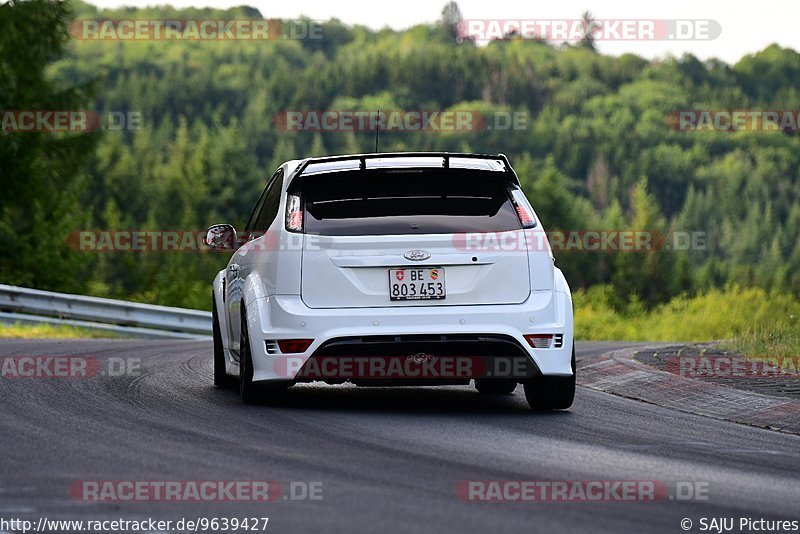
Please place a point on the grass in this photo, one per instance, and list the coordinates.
(747, 320)
(752, 320)
(766, 343)
(49, 331)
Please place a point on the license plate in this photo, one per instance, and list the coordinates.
(416, 284)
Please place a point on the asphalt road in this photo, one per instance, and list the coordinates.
(388, 459)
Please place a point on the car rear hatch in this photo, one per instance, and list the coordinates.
(394, 238)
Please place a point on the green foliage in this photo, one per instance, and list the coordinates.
(42, 174)
(751, 320)
(50, 331)
(597, 152)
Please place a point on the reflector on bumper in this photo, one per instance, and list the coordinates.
(539, 341)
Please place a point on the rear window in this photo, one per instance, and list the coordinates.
(407, 203)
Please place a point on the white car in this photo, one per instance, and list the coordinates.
(393, 269)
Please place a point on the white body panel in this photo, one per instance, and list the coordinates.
(353, 272)
(295, 286)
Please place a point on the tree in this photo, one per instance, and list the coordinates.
(594, 126)
(647, 275)
(451, 17)
(588, 24)
(43, 173)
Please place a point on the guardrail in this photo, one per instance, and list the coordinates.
(129, 319)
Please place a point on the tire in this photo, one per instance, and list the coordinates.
(247, 389)
(252, 392)
(495, 386)
(551, 392)
(221, 378)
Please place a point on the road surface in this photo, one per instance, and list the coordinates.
(388, 459)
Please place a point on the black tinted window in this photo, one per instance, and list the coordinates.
(254, 215)
(407, 203)
(271, 204)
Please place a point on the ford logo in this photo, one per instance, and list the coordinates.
(417, 255)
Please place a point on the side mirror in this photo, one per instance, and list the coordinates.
(220, 236)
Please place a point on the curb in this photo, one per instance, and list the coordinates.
(619, 374)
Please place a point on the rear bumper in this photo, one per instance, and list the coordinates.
(287, 317)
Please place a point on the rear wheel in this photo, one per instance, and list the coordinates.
(254, 392)
(247, 389)
(495, 386)
(221, 378)
(551, 392)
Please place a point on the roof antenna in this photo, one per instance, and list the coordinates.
(377, 130)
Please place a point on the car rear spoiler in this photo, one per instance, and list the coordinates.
(446, 157)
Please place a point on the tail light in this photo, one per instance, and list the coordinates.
(523, 208)
(525, 217)
(539, 341)
(294, 214)
(293, 346)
